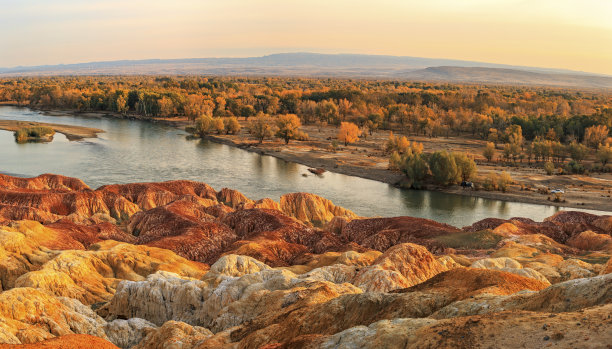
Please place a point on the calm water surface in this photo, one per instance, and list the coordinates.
(137, 151)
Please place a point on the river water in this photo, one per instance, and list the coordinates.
(140, 151)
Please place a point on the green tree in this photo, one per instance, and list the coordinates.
(549, 168)
(465, 165)
(416, 169)
(577, 151)
(443, 168)
(327, 112)
(247, 111)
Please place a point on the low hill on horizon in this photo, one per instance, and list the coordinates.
(330, 65)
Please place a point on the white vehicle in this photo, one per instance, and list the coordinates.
(557, 191)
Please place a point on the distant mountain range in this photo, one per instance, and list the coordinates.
(331, 65)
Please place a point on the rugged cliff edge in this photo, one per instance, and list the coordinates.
(179, 265)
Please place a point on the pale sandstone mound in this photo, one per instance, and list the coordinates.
(174, 335)
(510, 265)
(312, 209)
(92, 276)
(235, 265)
(501, 330)
(221, 301)
(581, 293)
(400, 266)
(350, 310)
(567, 296)
(69, 341)
(25, 246)
(29, 315)
(575, 269)
(128, 333)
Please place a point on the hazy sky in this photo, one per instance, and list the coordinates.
(572, 34)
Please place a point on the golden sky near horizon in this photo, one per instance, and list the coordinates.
(570, 34)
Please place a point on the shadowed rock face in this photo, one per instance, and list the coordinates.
(179, 265)
(382, 233)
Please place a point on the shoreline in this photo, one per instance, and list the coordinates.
(392, 178)
(332, 164)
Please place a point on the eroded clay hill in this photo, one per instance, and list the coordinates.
(180, 265)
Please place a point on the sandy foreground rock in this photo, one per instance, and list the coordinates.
(179, 265)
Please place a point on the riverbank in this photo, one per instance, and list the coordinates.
(584, 195)
(71, 132)
(366, 159)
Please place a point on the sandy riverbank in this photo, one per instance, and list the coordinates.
(366, 159)
(70, 131)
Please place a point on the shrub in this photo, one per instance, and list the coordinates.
(574, 167)
(549, 168)
(35, 133)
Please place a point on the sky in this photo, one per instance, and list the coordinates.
(569, 34)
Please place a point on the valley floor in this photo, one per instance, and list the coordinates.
(366, 159)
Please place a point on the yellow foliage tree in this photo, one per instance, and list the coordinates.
(348, 133)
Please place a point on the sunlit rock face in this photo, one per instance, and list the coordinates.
(313, 209)
(179, 265)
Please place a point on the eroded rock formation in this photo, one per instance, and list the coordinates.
(179, 265)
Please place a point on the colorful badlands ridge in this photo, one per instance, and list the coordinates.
(180, 265)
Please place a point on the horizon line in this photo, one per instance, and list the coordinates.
(306, 52)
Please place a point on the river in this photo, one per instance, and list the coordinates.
(140, 151)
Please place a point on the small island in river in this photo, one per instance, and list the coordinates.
(27, 131)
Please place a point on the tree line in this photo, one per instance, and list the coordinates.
(429, 109)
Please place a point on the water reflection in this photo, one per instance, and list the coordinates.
(134, 151)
